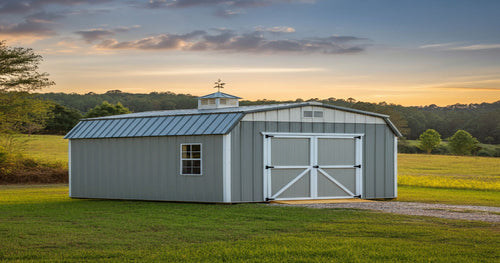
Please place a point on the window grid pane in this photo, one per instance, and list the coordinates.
(191, 159)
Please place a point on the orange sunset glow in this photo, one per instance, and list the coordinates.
(416, 53)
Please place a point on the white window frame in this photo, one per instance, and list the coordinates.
(191, 159)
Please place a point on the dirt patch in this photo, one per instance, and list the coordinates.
(463, 212)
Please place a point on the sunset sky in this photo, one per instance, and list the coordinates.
(404, 52)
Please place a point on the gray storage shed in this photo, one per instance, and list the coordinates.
(221, 152)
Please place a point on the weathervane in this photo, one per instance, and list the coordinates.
(219, 85)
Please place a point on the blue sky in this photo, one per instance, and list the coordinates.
(403, 52)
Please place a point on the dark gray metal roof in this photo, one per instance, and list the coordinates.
(155, 126)
(219, 94)
(185, 122)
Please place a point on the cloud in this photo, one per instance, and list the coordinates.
(29, 28)
(224, 8)
(198, 71)
(439, 45)
(228, 40)
(477, 47)
(27, 6)
(276, 29)
(456, 46)
(92, 35)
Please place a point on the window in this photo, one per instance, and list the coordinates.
(191, 159)
(223, 101)
(318, 114)
(310, 114)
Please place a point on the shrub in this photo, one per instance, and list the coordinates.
(17, 169)
(462, 143)
(429, 140)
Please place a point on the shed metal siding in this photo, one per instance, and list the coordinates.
(146, 168)
(247, 143)
(203, 124)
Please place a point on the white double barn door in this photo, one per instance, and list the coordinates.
(312, 166)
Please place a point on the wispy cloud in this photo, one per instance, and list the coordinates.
(29, 28)
(276, 29)
(252, 42)
(223, 8)
(457, 46)
(438, 45)
(198, 71)
(27, 6)
(478, 47)
(469, 83)
(94, 34)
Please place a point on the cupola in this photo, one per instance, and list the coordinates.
(218, 99)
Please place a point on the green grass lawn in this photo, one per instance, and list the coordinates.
(40, 223)
(52, 148)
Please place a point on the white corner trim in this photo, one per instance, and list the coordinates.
(395, 166)
(226, 168)
(69, 166)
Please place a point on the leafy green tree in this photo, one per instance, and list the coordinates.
(19, 70)
(462, 143)
(107, 109)
(20, 111)
(62, 119)
(429, 140)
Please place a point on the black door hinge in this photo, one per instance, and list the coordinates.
(269, 136)
(357, 196)
(269, 166)
(357, 166)
(357, 137)
(316, 166)
(269, 199)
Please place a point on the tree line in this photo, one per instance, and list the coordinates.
(480, 120)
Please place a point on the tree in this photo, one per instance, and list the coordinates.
(19, 70)
(19, 110)
(62, 120)
(462, 143)
(429, 140)
(107, 109)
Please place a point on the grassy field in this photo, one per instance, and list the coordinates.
(52, 148)
(422, 178)
(40, 223)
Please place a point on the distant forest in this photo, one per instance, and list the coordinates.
(481, 120)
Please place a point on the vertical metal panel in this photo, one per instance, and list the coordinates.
(379, 160)
(258, 161)
(236, 164)
(369, 157)
(145, 168)
(247, 163)
(318, 127)
(283, 126)
(389, 164)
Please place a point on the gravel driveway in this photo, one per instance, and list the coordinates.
(464, 212)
